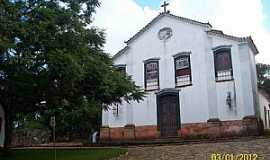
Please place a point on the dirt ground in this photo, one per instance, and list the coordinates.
(246, 149)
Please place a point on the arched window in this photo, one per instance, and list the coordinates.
(151, 74)
(182, 69)
(223, 64)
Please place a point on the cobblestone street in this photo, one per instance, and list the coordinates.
(202, 151)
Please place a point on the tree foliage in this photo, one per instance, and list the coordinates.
(263, 71)
(50, 52)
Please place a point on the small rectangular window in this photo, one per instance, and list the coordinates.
(151, 75)
(182, 71)
(115, 110)
(121, 68)
(223, 65)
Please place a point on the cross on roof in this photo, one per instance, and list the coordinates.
(164, 5)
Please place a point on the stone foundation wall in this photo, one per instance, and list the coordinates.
(146, 132)
(211, 129)
(129, 132)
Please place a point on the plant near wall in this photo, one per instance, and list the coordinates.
(263, 78)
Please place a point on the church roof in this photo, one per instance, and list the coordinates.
(248, 39)
(120, 52)
(190, 21)
(169, 15)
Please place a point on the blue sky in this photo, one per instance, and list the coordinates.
(155, 4)
(244, 18)
(266, 10)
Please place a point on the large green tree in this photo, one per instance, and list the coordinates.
(50, 52)
(263, 71)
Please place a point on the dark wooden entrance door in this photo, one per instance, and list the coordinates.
(168, 115)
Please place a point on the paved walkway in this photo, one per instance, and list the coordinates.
(203, 151)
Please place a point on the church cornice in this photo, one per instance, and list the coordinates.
(211, 32)
(187, 53)
(155, 59)
(163, 14)
(222, 47)
(187, 20)
(122, 51)
(247, 40)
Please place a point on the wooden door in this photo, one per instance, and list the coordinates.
(169, 116)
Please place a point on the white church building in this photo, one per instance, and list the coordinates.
(199, 82)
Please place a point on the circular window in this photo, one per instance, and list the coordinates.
(165, 33)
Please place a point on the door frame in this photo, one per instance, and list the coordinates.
(165, 92)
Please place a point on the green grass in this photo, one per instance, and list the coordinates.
(67, 154)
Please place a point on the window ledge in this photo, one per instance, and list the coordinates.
(219, 81)
(183, 86)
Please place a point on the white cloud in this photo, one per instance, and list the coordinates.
(123, 18)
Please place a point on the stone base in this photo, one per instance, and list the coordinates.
(105, 133)
(146, 132)
(129, 132)
(249, 126)
(212, 129)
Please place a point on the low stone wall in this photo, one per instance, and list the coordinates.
(129, 132)
(30, 137)
(212, 129)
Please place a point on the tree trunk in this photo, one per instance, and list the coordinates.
(8, 130)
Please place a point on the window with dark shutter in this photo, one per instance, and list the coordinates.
(182, 70)
(151, 75)
(121, 68)
(223, 65)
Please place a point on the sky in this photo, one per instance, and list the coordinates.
(266, 10)
(121, 19)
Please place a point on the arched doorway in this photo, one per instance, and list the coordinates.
(168, 112)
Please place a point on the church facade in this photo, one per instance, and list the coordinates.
(199, 82)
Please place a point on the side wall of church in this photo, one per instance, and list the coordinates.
(264, 110)
(254, 83)
(241, 88)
